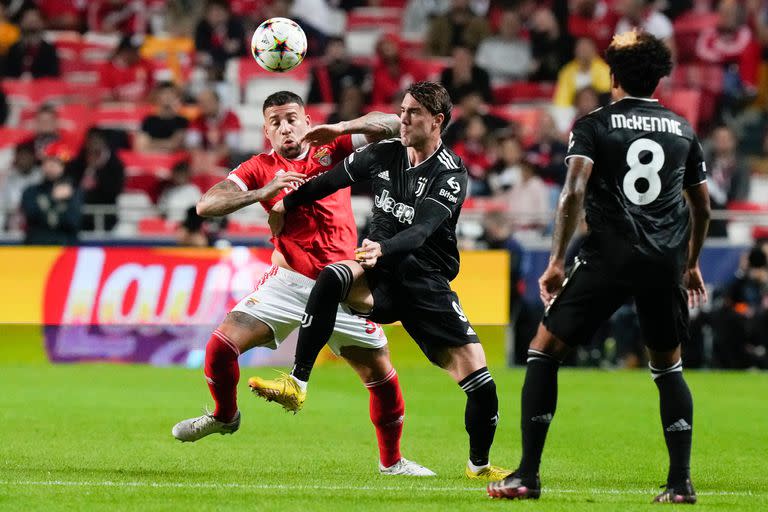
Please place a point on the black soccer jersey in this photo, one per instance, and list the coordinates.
(401, 191)
(644, 156)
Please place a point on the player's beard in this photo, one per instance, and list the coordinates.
(290, 150)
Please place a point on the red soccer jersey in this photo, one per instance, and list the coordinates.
(317, 234)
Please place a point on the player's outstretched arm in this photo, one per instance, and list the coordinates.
(226, 197)
(375, 126)
(698, 201)
(569, 211)
(320, 187)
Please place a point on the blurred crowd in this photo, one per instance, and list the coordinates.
(162, 97)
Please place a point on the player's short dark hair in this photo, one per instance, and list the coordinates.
(638, 60)
(434, 97)
(281, 98)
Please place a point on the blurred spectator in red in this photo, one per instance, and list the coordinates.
(528, 200)
(46, 129)
(587, 69)
(389, 75)
(473, 150)
(52, 208)
(9, 32)
(219, 36)
(733, 45)
(126, 77)
(549, 48)
(178, 194)
(24, 172)
(507, 171)
(32, 56)
(216, 131)
(506, 55)
(471, 104)
(334, 72)
(728, 176)
(644, 15)
(117, 16)
(593, 19)
(100, 175)
(548, 152)
(165, 130)
(464, 76)
(63, 14)
(457, 27)
(350, 105)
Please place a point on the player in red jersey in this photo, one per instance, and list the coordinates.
(323, 232)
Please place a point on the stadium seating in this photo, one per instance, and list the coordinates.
(157, 226)
(685, 102)
(527, 119)
(10, 137)
(524, 92)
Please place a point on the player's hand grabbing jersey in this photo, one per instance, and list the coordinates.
(644, 156)
(319, 233)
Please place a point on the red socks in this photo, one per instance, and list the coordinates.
(222, 373)
(387, 409)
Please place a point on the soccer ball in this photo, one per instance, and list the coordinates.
(279, 45)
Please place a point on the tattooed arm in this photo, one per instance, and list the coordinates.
(226, 196)
(375, 126)
(569, 211)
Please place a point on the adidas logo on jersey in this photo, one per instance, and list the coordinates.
(678, 426)
(384, 175)
(544, 418)
(471, 331)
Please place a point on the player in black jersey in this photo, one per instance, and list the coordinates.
(402, 271)
(638, 171)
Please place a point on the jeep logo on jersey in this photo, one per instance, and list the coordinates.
(420, 186)
(401, 211)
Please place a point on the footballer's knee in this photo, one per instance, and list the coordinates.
(372, 365)
(662, 360)
(549, 344)
(336, 281)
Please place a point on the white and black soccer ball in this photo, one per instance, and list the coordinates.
(279, 45)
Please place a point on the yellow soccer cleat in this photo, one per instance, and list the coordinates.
(283, 390)
(489, 473)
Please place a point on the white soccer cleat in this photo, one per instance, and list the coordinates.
(189, 431)
(406, 467)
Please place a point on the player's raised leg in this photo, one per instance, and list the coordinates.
(333, 286)
(238, 333)
(387, 407)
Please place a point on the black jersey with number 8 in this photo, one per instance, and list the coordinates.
(643, 157)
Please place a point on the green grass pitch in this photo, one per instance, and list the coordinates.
(97, 437)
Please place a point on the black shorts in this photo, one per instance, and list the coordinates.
(427, 307)
(594, 292)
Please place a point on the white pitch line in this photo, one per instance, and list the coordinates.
(212, 485)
